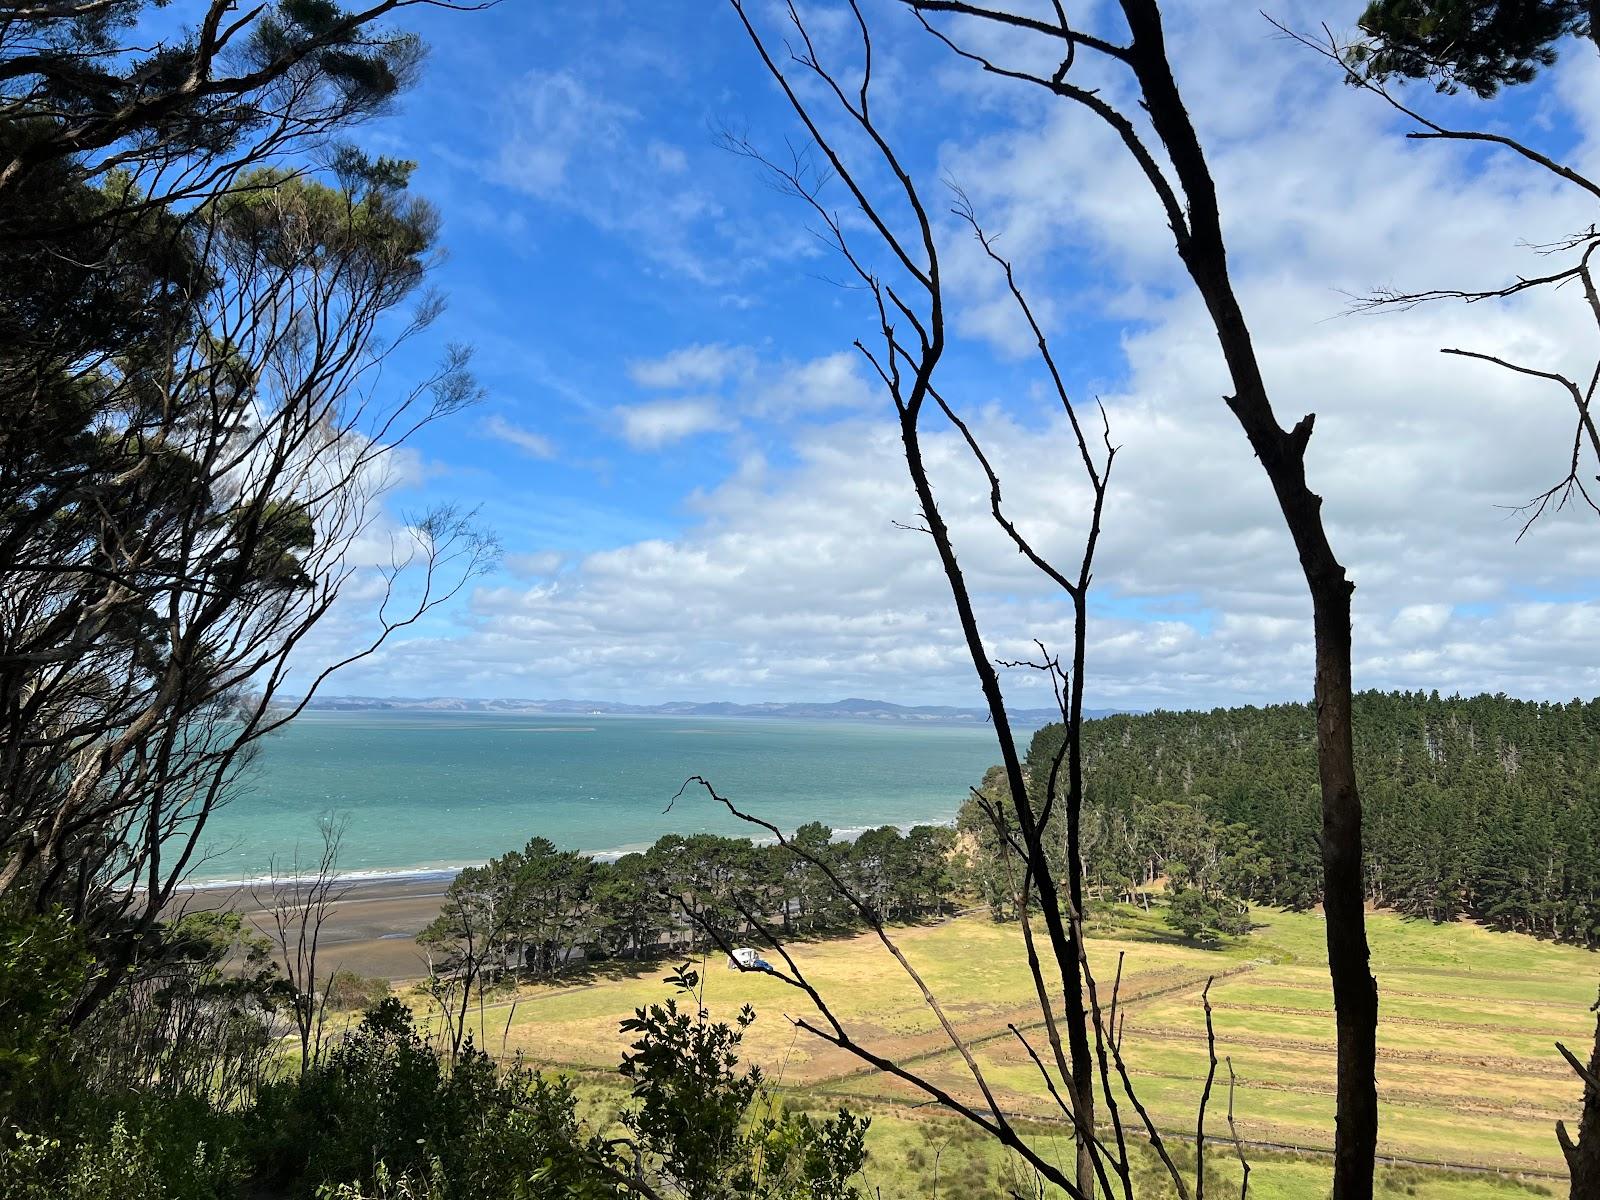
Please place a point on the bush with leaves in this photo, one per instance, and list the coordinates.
(193, 1016)
(702, 1129)
(44, 965)
(383, 1112)
(142, 1101)
(169, 1150)
(1205, 919)
(354, 992)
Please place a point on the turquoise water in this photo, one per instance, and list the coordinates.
(435, 790)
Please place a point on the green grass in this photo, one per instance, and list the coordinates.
(911, 1151)
(1468, 1073)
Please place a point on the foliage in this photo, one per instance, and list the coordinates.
(138, 1147)
(1480, 45)
(44, 965)
(383, 1115)
(386, 1186)
(189, 342)
(201, 286)
(1481, 807)
(703, 1129)
(1126, 847)
(352, 991)
(175, 467)
(691, 1099)
(151, 1102)
(193, 1015)
(124, 1165)
(383, 1112)
(85, 90)
(1205, 919)
(135, 1102)
(540, 912)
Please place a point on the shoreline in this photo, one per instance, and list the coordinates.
(404, 875)
(400, 876)
(371, 929)
(373, 926)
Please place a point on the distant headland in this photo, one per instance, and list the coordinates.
(853, 709)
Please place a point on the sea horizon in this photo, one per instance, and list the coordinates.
(427, 793)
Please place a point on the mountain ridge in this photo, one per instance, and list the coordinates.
(850, 709)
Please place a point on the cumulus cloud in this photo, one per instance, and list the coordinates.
(834, 381)
(802, 585)
(659, 423)
(757, 386)
(795, 580)
(690, 366)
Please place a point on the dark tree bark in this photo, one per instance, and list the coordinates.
(903, 278)
(1583, 1156)
(1188, 197)
(1282, 453)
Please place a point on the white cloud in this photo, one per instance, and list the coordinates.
(554, 118)
(561, 139)
(794, 580)
(668, 158)
(799, 584)
(660, 422)
(834, 381)
(763, 388)
(690, 366)
(528, 441)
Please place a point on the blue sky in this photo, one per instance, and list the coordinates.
(696, 485)
(595, 224)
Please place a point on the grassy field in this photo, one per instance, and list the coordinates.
(1468, 1073)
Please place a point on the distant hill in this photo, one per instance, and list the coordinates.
(853, 709)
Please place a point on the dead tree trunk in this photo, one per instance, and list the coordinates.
(1583, 1156)
(1188, 198)
(1282, 454)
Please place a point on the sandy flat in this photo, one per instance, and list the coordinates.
(372, 928)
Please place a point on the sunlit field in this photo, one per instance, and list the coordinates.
(1468, 1071)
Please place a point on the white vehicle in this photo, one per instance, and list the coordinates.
(747, 958)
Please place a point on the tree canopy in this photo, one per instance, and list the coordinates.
(1480, 45)
(1483, 807)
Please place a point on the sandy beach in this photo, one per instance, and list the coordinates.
(372, 929)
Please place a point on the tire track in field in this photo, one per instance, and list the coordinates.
(1273, 1138)
(1022, 1021)
(1391, 1019)
(1480, 1105)
(1468, 999)
(1553, 1069)
(1483, 1104)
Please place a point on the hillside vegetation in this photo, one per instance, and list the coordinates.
(1485, 807)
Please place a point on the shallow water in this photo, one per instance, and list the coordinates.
(432, 790)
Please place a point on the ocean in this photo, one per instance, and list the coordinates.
(425, 792)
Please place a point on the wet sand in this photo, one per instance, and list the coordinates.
(372, 929)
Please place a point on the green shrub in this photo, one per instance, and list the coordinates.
(382, 1116)
(129, 1161)
(350, 991)
(44, 966)
(385, 1186)
(700, 1123)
